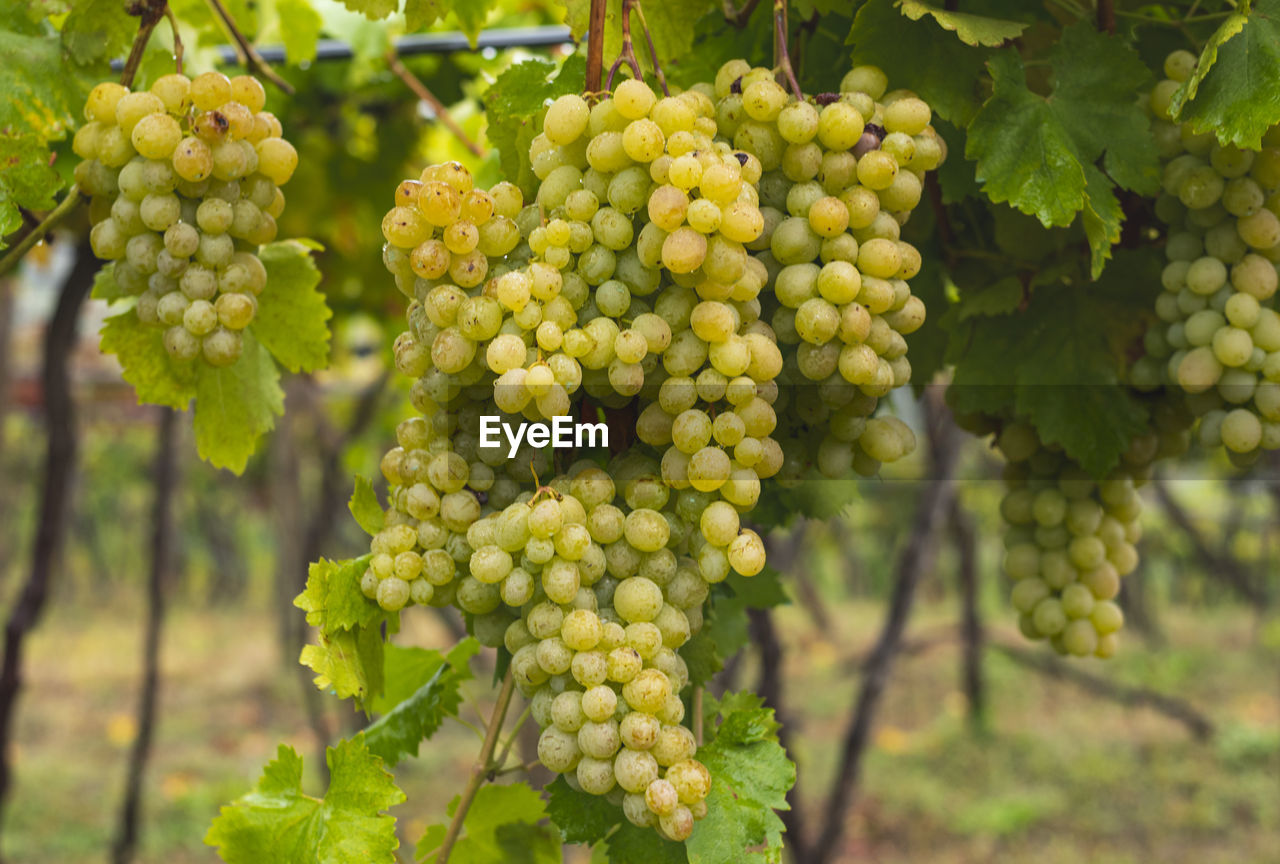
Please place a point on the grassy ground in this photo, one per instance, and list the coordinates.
(1060, 776)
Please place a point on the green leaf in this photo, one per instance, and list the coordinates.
(972, 29)
(277, 823)
(501, 827)
(1066, 379)
(300, 30)
(27, 177)
(235, 405)
(750, 777)
(374, 10)
(292, 314)
(145, 363)
(631, 844)
(365, 508)
(98, 30)
(998, 298)
(1102, 218)
(1032, 151)
(332, 598)
(416, 717)
(472, 15)
(581, 818)
(421, 14)
(407, 668)
(945, 72)
(348, 662)
(105, 286)
(731, 701)
(41, 94)
(1235, 90)
(514, 107)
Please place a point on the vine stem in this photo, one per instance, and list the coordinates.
(251, 56)
(780, 35)
(414, 83)
(595, 46)
(628, 53)
(482, 768)
(736, 16)
(697, 716)
(1107, 16)
(177, 39)
(150, 16)
(36, 234)
(653, 52)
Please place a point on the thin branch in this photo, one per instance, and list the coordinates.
(150, 16)
(964, 535)
(736, 16)
(595, 46)
(252, 58)
(1107, 16)
(177, 39)
(480, 770)
(628, 53)
(51, 525)
(653, 52)
(125, 845)
(916, 559)
(36, 234)
(512, 736)
(414, 83)
(784, 58)
(1184, 712)
(1224, 567)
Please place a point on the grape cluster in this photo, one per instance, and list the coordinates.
(1220, 334)
(184, 179)
(645, 285)
(1070, 538)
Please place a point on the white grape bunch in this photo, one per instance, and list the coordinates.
(184, 179)
(1219, 338)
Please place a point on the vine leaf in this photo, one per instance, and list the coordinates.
(300, 26)
(631, 844)
(1235, 90)
(292, 314)
(1064, 382)
(421, 690)
(97, 30)
(945, 72)
(421, 14)
(348, 655)
(365, 508)
(514, 104)
(501, 827)
(374, 10)
(41, 94)
(581, 818)
(235, 405)
(1102, 217)
(1033, 151)
(332, 597)
(27, 179)
(751, 775)
(972, 29)
(276, 822)
(144, 362)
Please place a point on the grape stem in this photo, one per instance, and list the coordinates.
(177, 39)
(653, 52)
(480, 771)
(414, 83)
(738, 17)
(780, 35)
(36, 234)
(252, 58)
(628, 52)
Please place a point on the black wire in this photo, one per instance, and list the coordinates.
(421, 43)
